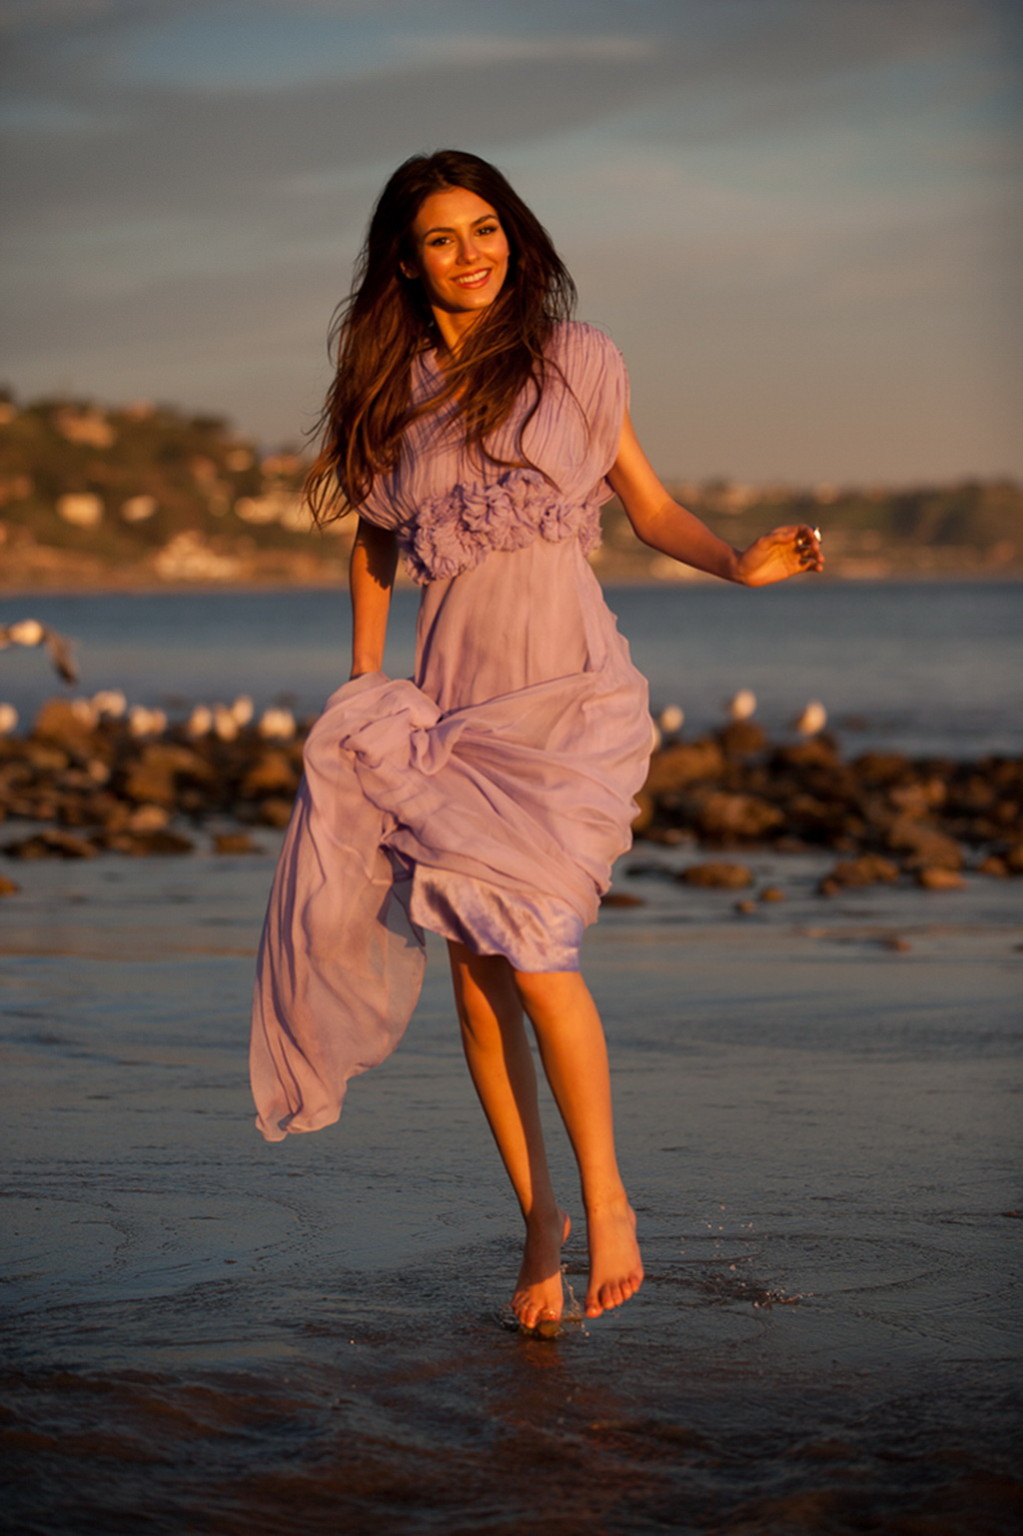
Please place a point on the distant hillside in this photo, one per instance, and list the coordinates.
(969, 528)
(143, 494)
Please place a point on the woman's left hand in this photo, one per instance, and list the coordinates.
(782, 553)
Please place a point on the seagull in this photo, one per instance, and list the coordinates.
(200, 722)
(31, 632)
(743, 705)
(276, 725)
(813, 719)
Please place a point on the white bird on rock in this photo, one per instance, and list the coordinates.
(144, 722)
(199, 722)
(742, 705)
(276, 724)
(813, 719)
(225, 725)
(110, 703)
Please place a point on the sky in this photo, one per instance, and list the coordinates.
(798, 219)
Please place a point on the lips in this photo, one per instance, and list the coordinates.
(473, 279)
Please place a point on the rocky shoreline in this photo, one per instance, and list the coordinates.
(91, 782)
(887, 817)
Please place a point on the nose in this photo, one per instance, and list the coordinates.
(467, 249)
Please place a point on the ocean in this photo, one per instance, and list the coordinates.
(917, 666)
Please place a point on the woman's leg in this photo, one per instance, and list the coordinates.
(574, 1053)
(501, 1065)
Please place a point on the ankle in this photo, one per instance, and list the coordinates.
(543, 1216)
(609, 1201)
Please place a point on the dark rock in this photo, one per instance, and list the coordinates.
(745, 908)
(147, 818)
(621, 899)
(42, 757)
(939, 878)
(234, 842)
(8, 887)
(274, 812)
(271, 774)
(144, 782)
(772, 893)
(819, 752)
(718, 874)
(51, 844)
(919, 798)
(686, 762)
(153, 775)
(974, 796)
(64, 723)
(868, 869)
(142, 844)
(726, 817)
(670, 837)
(1013, 857)
(995, 866)
(742, 738)
(924, 844)
(879, 769)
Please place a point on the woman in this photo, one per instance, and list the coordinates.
(475, 429)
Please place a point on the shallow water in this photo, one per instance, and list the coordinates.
(206, 1334)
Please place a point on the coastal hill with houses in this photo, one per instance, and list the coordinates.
(143, 495)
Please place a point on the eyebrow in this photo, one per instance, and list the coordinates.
(449, 229)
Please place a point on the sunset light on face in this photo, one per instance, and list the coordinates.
(462, 256)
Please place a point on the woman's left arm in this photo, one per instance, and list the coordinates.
(659, 521)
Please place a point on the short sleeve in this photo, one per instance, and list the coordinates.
(379, 506)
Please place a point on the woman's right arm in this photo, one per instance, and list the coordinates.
(370, 580)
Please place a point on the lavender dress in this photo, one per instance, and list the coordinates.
(487, 799)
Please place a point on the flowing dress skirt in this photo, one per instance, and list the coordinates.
(485, 801)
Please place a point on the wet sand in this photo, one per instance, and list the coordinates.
(206, 1334)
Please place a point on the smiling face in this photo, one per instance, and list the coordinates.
(461, 258)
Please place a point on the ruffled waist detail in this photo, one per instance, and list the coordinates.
(455, 532)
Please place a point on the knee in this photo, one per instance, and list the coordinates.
(542, 991)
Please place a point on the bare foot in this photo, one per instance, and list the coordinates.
(539, 1293)
(616, 1269)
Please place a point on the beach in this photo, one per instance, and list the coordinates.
(817, 1109)
(817, 1104)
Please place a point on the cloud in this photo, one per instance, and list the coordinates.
(176, 148)
(117, 150)
(493, 48)
(186, 231)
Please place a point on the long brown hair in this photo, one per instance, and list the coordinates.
(379, 330)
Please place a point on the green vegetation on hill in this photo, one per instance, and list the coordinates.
(963, 529)
(149, 493)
